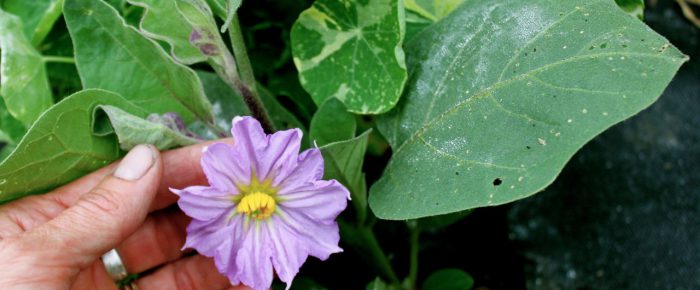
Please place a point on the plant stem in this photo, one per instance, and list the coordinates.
(245, 68)
(58, 59)
(247, 85)
(414, 239)
(363, 240)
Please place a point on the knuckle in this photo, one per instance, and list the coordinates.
(184, 279)
(101, 200)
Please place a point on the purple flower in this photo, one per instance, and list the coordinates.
(266, 207)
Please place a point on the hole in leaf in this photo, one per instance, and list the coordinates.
(497, 182)
(528, 147)
(456, 172)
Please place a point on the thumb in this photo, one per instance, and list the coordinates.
(109, 213)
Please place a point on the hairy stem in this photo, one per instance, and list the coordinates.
(246, 84)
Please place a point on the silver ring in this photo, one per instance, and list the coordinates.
(114, 265)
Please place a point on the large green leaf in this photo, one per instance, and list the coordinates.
(332, 123)
(422, 13)
(449, 279)
(11, 130)
(23, 82)
(343, 162)
(501, 95)
(61, 146)
(351, 50)
(160, 131)
(161, 20)
(113, 56)
(38, 16)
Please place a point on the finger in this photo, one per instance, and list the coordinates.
(109, 213)
(94, 277)
(159, 240)
(196, 272)
(181, 168)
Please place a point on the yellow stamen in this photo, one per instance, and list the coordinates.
(257, 205)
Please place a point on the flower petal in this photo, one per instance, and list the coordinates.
(226, 252)
(203, 202)
(321, 200)
(254, 258)
(289, 252)
(309, 169)
(281, 155)
(271, 156)
(225, 167)
(207, 236)
(321, 239)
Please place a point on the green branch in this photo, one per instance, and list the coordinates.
(247, 85)
(58, 59)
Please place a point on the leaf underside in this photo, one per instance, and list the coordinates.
(113, 56)
(61, 146)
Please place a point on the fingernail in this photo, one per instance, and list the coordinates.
(136, 163)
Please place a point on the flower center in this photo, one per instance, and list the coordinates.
(257, 205)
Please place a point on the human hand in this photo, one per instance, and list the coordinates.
(55, 240)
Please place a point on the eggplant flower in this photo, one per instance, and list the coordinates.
(266, 206)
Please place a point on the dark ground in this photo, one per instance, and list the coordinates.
(625, 213)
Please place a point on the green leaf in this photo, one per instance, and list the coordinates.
(432, 10)
(228, 104)
(378, 284)
(23, 83)
(218, 7)
(449, 279)
(281, 117)
(132, 130)
(5, 150)
(113, 56)
(422, 13)
(502, 95)
(61, 146)
(351, 50)
(332, 123)
(343, 162)
(632, 7)
(162, 21)
(231, 8)
(205, 36)
(11, 130)
(38, 16)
